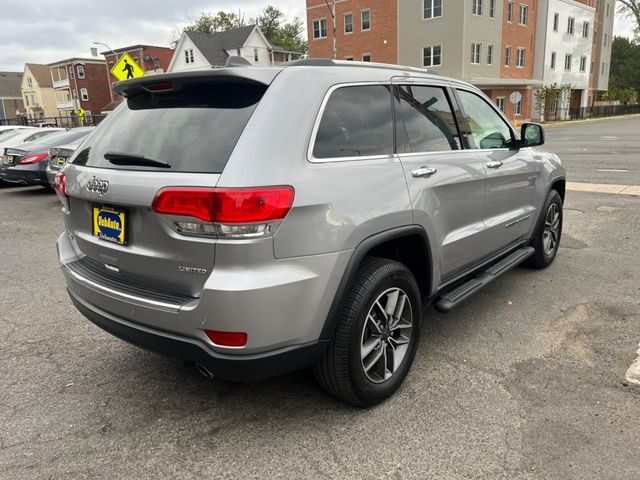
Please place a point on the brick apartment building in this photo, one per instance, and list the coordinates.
(152, 59)
(79, 83)
(504, 47)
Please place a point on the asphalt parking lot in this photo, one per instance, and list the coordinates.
(526, 380)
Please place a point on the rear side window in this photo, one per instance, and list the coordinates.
(357, 122)
(425, 121)
(192, 130)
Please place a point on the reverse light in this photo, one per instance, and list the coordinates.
(35, 158)
(226, 212)
(227, 339)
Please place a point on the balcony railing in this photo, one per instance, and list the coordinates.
(64, 104)
(61, 83)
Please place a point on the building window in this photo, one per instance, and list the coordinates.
(348, 23)
(365, 20)
(567, 62)
(84, 94)
(72, 74)
(431, 9)
(476, 7)
(553, 60)
(432, 56)
(30, 82)
(238, 52)
(510, 12)
(583, 64)
(188, 55)
(517, 107)
(585, 29)
(500, 103)
(349, 58)
(476, 52)
(492, 8)
(520, 59)
(80, 71)
(556, 21)
(571, 23)
(507, 57)
(255, 55)
(366, 57)
(489, 54)
(320, 28)
(524, 14)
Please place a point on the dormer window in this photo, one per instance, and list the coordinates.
(188, 55)
(30, 82)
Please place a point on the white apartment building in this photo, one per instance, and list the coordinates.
(563, 53)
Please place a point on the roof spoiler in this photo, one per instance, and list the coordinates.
(172, 82)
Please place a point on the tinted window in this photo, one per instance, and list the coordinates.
(7, 134)
(193, 130)
(488, 129)
(425, 120)
(357, 121)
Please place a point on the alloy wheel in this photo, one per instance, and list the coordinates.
(386, 335)
(551, 235)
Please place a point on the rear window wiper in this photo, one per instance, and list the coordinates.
(118, 158)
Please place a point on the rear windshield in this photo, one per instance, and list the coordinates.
(192, 130)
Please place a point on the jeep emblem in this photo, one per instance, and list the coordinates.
(98, 186)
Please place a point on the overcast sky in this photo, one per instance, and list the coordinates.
(45, 31)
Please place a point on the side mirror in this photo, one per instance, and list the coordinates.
(531, 135)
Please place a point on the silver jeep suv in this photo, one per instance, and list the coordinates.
(258, 220)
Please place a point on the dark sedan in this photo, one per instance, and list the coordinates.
(26, 163)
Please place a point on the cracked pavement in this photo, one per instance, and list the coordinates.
(524, 381)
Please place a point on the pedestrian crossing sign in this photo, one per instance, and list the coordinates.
(126, 68)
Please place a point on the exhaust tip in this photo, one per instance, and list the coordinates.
(205, 371)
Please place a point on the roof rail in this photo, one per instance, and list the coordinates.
(311, 62)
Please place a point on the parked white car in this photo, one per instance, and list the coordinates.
(24, 135)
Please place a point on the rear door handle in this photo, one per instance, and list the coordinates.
(494, 164)
(423, 172)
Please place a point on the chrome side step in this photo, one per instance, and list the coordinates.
(447, 300)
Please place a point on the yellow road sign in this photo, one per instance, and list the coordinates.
(126, 68)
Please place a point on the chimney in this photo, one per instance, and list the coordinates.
(94, 52)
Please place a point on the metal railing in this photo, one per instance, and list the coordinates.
(567, 114)
(63, 122)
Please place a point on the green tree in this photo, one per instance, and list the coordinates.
(625, 65)
(210, 23)
(288, 35)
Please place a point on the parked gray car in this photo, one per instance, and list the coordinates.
(259, 220)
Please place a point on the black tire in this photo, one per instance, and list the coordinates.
(340, 371)
(543, 258)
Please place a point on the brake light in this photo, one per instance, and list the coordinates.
(31, 159)
(60, 184)
(226, 205)
(227, 339)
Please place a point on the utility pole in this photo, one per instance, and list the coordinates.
(332, 9)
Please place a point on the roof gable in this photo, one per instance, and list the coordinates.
(41, 74)
(214, 46)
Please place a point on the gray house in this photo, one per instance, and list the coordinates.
(197, 51)
(10, 94)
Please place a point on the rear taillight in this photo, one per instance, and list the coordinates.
(35, 158)
(227, 339)
(228, 212)
(60, 186)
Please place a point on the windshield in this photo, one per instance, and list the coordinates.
(61, 138)
(192, 130)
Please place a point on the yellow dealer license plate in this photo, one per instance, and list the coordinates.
(110, 224)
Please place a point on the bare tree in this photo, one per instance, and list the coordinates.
(631, 8)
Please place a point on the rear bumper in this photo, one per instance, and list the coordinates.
(25, 175)
(225, 367)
